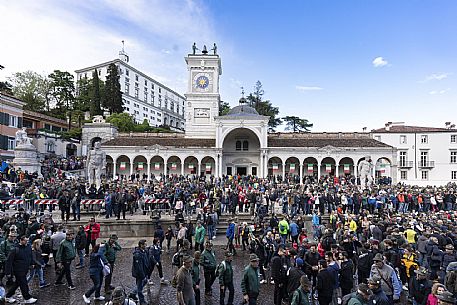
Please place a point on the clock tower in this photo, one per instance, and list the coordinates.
(202, 95)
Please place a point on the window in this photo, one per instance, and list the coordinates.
(160, 90)
(153, 112)
(403, 158)
(145, 82)
(377, 138)
(136, 92)
(126, 72)
(424, 139)
(159, 114)
(127, 108)
(238, 145)
(403, 175)
(50, 147)
(127, 88)
(453, 156)
(454, 175)
(453, 138)
(136, 77)
(126, 102)
(245, 145)
(13, 121)
(47, 127)
(424, 175)
(145, 115)
(145, 96)
(402, 139)
(100, 72)
(424, 158)
(11, 143)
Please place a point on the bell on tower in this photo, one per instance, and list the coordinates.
(122, 55)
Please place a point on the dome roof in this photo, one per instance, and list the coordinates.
(243, 110)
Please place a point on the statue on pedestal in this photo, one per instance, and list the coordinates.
(96, 165)
(22, 138)
(365, 170)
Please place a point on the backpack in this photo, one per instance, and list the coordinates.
(176, 259)
(282, 227)
(345, 300)
(220, 268)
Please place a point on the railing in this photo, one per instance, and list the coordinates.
(406, 164)
(426, 164)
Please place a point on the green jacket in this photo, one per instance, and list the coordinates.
(5, 247)
(200, 234)
(225, 273)
(66, 251)
(195, 271)
(300, 297)
(357, 300)
(110, 251)
(208, 260)
(250, 281)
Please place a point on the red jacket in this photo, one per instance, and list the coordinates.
(95, 231)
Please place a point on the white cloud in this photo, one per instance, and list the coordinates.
(443, 91)
(436, 76)
(70, 35)
(308, 88)
(379, 62)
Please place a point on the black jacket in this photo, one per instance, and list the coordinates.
(278, 272)
(19, 260)
(346, 275)
(379, 297)
(325, 283)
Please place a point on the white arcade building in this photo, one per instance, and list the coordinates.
(238, 143)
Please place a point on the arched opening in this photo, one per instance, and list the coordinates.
(174, 165)
(71, 150)
(346, 167)
(241, 153)
(94, 140)
(157, 165)
(140, 164)
(109, 166)
(383, 171)
(275, 166)
(123, 166)
(292, 167)
(310, 167)
(208, 166)
(190, 165)
(328, 166)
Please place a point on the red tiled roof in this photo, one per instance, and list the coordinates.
(410, 129)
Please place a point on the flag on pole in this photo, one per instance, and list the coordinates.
(275, 166)
(208, 167)
(123, 166)
(173, 166)
(347, 168)
(156, 165)
(140, 165)
(328, 168)
(292, 167)
(310, 168)
(191, 166)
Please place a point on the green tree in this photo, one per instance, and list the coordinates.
(264, 107)
(113, 95)
(33, 89)
(296, 124)
(123, 121)
(63, 94)
(83, 97)
(6, 87)
(95, 105)
(224, 108)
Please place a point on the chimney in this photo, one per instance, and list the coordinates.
(388, 124)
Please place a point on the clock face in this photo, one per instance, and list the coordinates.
(202, 82)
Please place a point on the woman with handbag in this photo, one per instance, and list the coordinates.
(97, 264)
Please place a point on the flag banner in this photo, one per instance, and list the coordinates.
(275, 166)
(310, 167)
(191, 166)
(328, 168)
(156, 165)
(383, 171)
(173, 166)
(292, 167)
(123, 166)
(347, 168)
(208, 168)
(140, 165)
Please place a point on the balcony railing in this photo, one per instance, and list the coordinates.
(426, 164)
(406, 164)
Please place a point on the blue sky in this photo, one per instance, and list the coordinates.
(343, 65)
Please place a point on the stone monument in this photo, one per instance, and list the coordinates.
(96, 165)
(365, 171)
(25, 153)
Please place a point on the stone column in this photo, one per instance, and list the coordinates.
(164, 167)
(283, 169)
(355, 172)
(318, 170)
(149, 168)
(182, 168)
(301, 173)
(199, 168)
(336, 170)
(131, 168)
(114, 169)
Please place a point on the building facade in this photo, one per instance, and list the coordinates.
(144, 98)
(11, 114)
(239, 142)
(425, 155)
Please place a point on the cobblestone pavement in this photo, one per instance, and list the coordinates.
(61, 295)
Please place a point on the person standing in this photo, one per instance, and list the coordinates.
(156, 252)
(109, 250)
(65, 255)
(225, 274)
(18, 263)
(56, 239)
(195, 272)
(96, 274)
(378, 297)
(389, 279)
(208, 261)
(362, 296)
(37, 264)
(5, 248)
(140, 269)
(184, 284)
(325, 284)
(64, 206)
(301, 294)
(93, 232)
(80, 244)
(279, 266)
(250, 284)
(200, 233)
(230, 234)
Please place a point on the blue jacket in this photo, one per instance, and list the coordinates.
(140, 266)
(156, 252)
(95, 266)
(293, 227)
(230, 233)
(335, 270)
(316, 220)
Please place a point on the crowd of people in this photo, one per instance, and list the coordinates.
(324, 241)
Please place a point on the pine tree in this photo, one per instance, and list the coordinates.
(113, 95)
(95, 106)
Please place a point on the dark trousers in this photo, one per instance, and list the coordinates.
(121, 208)
(67, 272)
(109, 277)
(231, 290)
(2, 273)
(252, 300)
(21, 282)
(324, 300)
(198, 246)
(210, 276)
(97, 280)
(159, 267)
(65, 214)
(197, 296)
(279, 293)
(88, 243)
